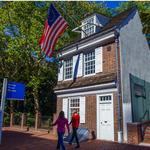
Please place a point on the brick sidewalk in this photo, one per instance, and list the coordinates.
(14, 139)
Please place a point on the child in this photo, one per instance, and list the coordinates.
(61, 122)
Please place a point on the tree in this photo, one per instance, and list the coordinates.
(16, 61)
(20, 30)
(144, 12)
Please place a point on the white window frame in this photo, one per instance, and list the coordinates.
(71, 59)
(71, 107)
(81, 108)
(87, 26)
(89, 61)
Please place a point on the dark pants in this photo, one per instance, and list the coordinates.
(74, 135)
(60, 142)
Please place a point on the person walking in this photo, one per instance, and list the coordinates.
(61, 122)
(75, 120)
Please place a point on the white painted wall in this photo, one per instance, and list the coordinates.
(135, 59)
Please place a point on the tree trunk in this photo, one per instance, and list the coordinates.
(37, 109)
(22, 120)
(11, 114)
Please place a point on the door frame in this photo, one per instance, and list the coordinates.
(98, 115)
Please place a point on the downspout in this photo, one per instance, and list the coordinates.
(118, 83)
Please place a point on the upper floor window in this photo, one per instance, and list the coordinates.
(88, 27)
(89, 63)
(68, 67)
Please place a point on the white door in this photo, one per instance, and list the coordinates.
(106, 117)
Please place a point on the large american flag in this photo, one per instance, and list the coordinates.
(54, 27)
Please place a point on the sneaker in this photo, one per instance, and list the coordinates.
(78, 146)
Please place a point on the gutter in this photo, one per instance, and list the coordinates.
(87, 88)
(118, 83)
(86, 39)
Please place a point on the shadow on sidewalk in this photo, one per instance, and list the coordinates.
(21, 140)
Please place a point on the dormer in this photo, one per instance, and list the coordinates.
(93, 24)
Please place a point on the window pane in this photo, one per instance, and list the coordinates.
(89, 63)
(68, 67)
(74, 105)
(89, 27)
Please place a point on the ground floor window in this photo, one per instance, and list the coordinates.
(74, 103)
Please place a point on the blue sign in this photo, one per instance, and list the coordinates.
(15, 91)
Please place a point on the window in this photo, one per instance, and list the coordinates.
(68, 67)
(105, 98)
(74, 104)
(88, 27)
(139, 90)
(89, 63)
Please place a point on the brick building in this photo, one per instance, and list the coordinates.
(96, 71)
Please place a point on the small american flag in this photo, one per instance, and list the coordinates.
(54, 27)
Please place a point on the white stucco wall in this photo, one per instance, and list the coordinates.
(135, 59)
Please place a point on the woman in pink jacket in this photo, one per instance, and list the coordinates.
(61, 122)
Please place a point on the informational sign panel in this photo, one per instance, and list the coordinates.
(15, 91)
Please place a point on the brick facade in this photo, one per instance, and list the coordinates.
(109, 67)
(109, 58)
(90, 118)
(134, 133)
(90, 115)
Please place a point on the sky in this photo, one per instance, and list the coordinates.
(113, 4)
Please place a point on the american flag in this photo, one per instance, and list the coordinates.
(54, 27)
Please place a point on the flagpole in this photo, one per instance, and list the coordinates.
(3, 98)
(65, 13)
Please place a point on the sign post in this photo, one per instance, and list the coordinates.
(11, 91)
(3, 98)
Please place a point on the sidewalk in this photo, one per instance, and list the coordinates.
(15, 139)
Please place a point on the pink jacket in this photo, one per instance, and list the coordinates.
(61, 122)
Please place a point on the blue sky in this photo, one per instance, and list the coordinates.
(113, 4)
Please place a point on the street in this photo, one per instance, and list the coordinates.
(15, 139)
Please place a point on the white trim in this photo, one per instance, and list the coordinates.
(88, 92)
(88, 75)
(82, 109)
(97, 112)
(99, 59)
(65, 106)
(95, 23)
(99, 40)
(87, 44)
(85, 88)
(68, 79)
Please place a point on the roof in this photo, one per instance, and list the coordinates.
(116, 20)
(112, 24)
(86, 81)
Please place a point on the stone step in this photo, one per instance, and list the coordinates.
(146, 141)
(147, 135)
(148, 128)
(147, 131)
